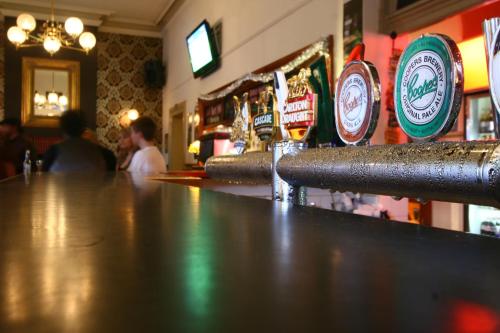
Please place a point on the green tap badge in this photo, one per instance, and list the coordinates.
(429, 87)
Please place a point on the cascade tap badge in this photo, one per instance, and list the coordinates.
(429, 87)
(264, 121)
(299, 115)
(358, 102)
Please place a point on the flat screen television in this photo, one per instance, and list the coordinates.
(202, 50)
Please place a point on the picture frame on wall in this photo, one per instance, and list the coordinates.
(49, 87)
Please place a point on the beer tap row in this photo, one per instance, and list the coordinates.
(428, 91)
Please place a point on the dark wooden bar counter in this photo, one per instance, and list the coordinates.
(116, 254)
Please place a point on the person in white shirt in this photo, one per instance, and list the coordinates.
(148, 159)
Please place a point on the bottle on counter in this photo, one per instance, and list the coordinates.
(27, 162)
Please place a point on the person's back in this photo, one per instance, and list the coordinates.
(78, 155)
(14, 144)
(148, 160)
(74, 154)
(108, 155)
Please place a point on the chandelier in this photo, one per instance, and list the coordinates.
(53, 35)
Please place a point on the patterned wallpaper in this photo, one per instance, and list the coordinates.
(120, 83)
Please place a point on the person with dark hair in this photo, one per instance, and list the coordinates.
(148, 159)
(13, 144)
(74, 153)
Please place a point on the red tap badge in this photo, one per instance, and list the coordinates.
(300, 113)
(357, 102)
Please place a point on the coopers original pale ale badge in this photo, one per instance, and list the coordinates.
(264, 123)
(358, 102)
(299, 115)
(429, 87)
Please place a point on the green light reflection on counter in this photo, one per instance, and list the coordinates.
(199, 257)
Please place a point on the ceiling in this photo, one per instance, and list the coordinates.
(135, 17)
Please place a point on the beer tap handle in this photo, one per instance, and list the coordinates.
(236, 103)
(281, 91)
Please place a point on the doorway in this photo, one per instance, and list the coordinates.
(176, 142)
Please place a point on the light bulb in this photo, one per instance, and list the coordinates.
(196, 119)
(132, 114)
(63, 100)
(53, 98)
(26, 22)
(42, 100)
(73, 26)
(194, 147)
(87, 41)
(37, 98)
(51, 44)
(16, 35)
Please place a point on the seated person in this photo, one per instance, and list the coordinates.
(147, 159)
(126, 149)
(14, 144)
(7, 168)
(73, 154)
(108, 155)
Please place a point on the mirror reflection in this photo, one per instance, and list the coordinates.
(51, 89)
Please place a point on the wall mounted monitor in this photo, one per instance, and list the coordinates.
(202, 50)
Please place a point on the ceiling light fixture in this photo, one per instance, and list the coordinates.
(52, 36)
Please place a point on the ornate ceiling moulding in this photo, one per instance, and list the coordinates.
(131, 27)
(168, 13)
(42, 11)
(103, 19)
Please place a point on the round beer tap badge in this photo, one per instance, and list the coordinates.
(358, 102)
(429, 87)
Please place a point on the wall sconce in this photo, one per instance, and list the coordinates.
(132, 114)
(127, 116)
(194, 119)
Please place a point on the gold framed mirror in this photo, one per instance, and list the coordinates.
(49, 87)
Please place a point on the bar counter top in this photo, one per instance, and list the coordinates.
(117, 253)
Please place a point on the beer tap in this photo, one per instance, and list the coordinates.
(240, 128)
(491, 30)
(281, 89)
